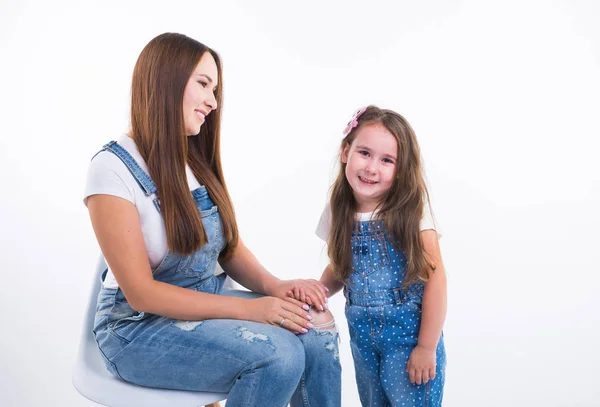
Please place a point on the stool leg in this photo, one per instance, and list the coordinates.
(214, 405)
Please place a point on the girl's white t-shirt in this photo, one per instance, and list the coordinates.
(108, 175)
(325, 221)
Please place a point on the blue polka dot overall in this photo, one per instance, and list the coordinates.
(384, 321)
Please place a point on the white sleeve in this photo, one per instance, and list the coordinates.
(324, 225)
(427, 219)
(109, 176)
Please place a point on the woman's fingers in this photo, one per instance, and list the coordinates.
(292, 326)
(297, 303)
(297, 315)
(294, 322)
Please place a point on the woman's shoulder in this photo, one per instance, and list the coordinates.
(107, 174)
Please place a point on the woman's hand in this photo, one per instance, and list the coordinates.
(421, 365)
(287, 313)
(311, 292)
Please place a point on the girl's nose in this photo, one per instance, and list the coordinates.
(371, 167)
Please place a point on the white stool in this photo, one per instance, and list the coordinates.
(95, 382)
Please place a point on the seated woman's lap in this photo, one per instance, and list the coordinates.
(211, 354)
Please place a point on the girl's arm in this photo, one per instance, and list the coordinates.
(117, 227)
(434, 297)
(330, 281)
(422, 361)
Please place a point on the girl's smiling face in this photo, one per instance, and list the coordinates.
(371, 165)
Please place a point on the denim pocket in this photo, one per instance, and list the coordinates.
(369, 253)
(123, 327)
(196, 264)
(208, 285)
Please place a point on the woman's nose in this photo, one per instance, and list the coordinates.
(212, 101)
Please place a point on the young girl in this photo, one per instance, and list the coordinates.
(384, 252)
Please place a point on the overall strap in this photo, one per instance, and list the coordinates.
(143, 179)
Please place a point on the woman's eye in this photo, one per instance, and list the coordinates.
(203, 84)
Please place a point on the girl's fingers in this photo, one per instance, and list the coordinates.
(320, 300)
(322, 287)
(425, 376)
(418, 376)
(432, 373)
(412, 374)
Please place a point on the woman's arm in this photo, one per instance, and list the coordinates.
(117, 227)
(244, 268)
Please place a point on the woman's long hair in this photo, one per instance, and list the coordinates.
(160, 76)
(401, 209)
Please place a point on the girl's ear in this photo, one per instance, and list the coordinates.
(344, 153)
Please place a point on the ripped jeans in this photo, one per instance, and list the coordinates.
(258, 364)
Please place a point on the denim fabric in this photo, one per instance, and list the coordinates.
(384, 321)
(258, 364)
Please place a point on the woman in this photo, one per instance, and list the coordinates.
(163, 218)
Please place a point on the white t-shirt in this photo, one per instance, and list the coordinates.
(108, 175)
(325, 221)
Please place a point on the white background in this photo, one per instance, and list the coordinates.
(504, 98)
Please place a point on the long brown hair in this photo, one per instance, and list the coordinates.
(401, 209)
(160, 76)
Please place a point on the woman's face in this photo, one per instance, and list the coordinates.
(199, 94)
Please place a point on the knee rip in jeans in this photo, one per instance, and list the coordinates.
(252, 337)
(329, 328)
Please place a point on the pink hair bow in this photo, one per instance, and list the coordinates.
(354, 121)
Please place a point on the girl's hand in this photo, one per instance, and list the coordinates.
(421, 365)
(311, 292)
(286, 313)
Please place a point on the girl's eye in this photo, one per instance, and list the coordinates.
(387, 160)
(363, 152)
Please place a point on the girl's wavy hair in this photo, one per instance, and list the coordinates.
(160, 76)
(401, 209)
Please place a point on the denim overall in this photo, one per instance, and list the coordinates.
(258, 364)
(384, 321)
